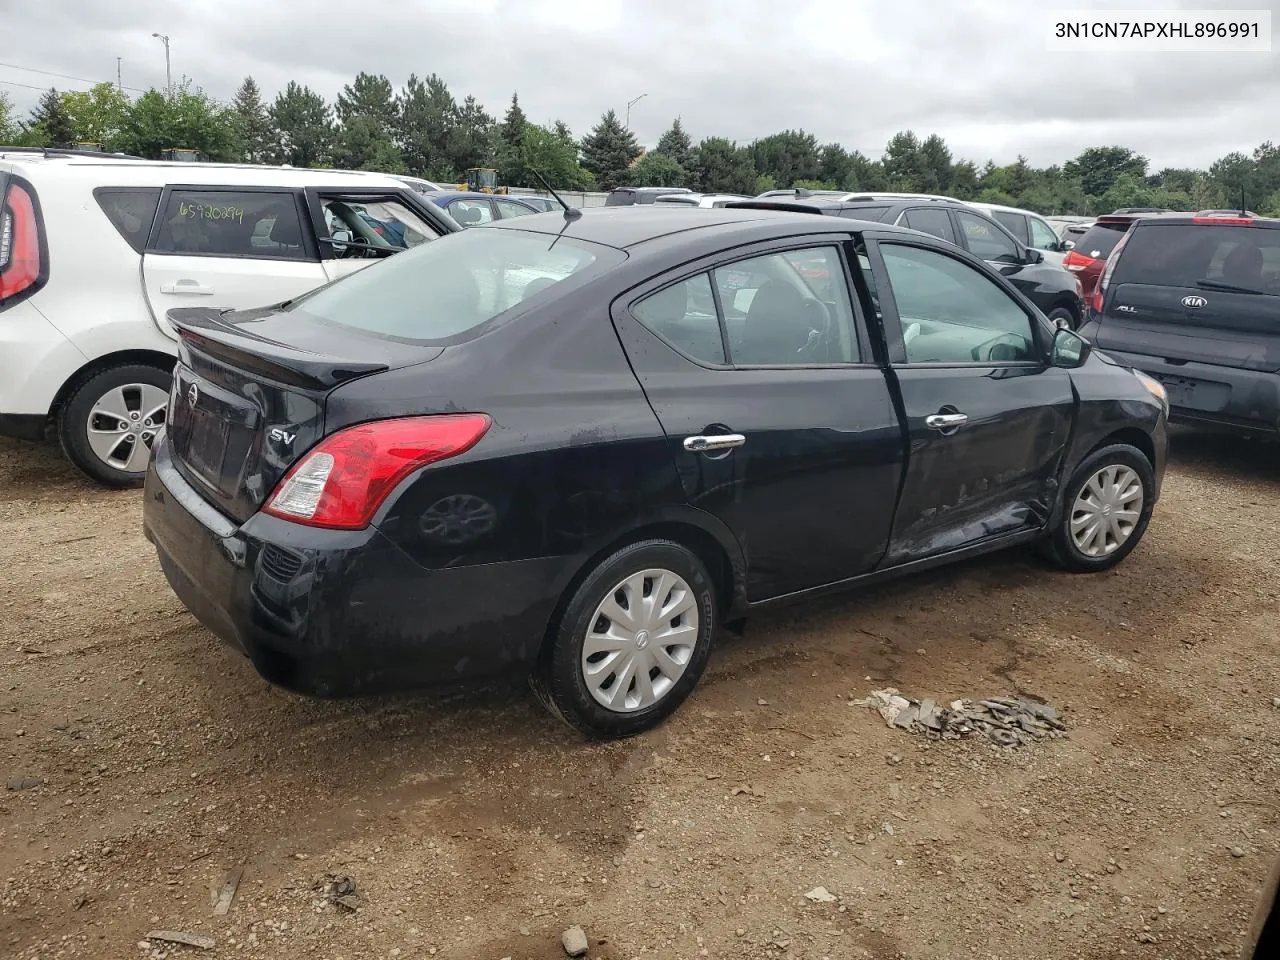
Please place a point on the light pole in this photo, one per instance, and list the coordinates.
(168, 73)
(632, 103)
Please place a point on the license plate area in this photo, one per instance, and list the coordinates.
(212, 431)
(1193, 394)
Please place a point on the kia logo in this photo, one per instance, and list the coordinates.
(1194, 303)
(193, 395)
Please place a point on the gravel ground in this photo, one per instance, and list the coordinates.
(143, 760)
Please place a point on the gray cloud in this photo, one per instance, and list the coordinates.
(976, 71)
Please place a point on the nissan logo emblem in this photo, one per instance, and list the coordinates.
(1194, 303)
(193, 395)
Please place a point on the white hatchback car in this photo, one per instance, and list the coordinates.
(95, 249)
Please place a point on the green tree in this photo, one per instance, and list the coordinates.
(720, 166)
(935, 165)
(368, 116)
(1099, 167)
(511, 158)
(1233, 175)
(304, 125)
(50, 123)
(657, 170)
(787, 156)
(1128, 190)
(865, 174)
(964, 180)
(903, 163)
(834, 164)
(186, 118)
(255, 140)
(609, 150)
(565, 135)
(472, 142)
(98, 115)
(8, 128)
(546, 152)
(675, 143)
(429, 118)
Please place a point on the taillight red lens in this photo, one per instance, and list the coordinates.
(343, 481)
(1241, 220)
(1076, 261)
(19, 243)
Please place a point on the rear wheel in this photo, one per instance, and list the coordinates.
(1108, 504)
(632, 642)
(1063, 318)
(109, 422)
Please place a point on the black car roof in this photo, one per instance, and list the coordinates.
(625, 227)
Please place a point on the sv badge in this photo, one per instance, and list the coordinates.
(280, 435)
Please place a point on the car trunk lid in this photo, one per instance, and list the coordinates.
(249, 391)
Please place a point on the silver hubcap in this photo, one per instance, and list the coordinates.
(123, 424)
(640, 641)
(1106, 511)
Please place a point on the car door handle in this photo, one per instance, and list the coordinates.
(723, 441)
(946, 421)
(189, 287)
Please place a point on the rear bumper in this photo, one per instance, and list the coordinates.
(339, 613)
(1228, 397)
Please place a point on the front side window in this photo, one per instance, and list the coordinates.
(440, 291)
(227, 223)
(376, 222)
(952, 313)
(471, 213)
(984, 239)
(1042, 235)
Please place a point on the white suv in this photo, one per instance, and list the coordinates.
(95, 249)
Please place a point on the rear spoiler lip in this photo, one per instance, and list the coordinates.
(203, 329)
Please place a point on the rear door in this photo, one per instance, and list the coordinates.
(354, 229)
(228, 247)
(987, 418)
(780, 423)
(986, 240)
(1204, 292)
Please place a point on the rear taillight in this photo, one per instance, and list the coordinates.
(19, 243)
(341, 483)
(1076, 261)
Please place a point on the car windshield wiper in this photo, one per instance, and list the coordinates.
(1208, 284)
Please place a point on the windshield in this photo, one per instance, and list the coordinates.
(440, 291)
(1239, 258)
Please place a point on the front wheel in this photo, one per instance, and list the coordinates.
(109, 422)
(1062, 318)
(1107, 507)
(633, 640)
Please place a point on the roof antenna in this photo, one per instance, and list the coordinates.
(570, 213)
(1243, 212)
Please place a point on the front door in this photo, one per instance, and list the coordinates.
(356, 229)
(230, 248)
(778, 420)
(987, 418)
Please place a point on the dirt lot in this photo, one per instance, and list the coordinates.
(477, 828)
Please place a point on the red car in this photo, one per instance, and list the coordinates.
(1089, 255)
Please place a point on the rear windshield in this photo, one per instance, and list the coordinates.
(1100, 240)
(438, 292)
(1181, 255)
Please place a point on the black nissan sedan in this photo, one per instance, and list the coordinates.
(574, 446)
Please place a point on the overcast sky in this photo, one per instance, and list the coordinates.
(855, 71)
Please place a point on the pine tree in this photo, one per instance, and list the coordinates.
(565, 135)
(609, 150)
(304, 124)
(254, 137)
(369, 115)
(511, 161)
(428, 128)
(51, 119)
(675, 143)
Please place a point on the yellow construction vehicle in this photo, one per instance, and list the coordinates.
(482, 180)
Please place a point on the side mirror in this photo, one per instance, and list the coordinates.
(1032, 255)
(1070, 350)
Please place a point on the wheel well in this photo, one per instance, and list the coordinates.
(151, 358)
(1134, 438)
(703, 545)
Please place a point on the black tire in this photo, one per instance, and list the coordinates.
(73, 420)
(558, 680)
(1061, 548)
(1061, 316)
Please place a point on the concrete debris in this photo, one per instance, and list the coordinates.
(1003, 721)
(340, 889)
(820, 895)
(574, 941)
(199, 941)
(226, 893)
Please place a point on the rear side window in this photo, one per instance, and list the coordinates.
(228, 223)
(130, 210)
(437, 292)
(684, 315)
(986, 240)
(1015, 223)
(1183, 255)
(934, 222)
(1100, 239)
(872, 213)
